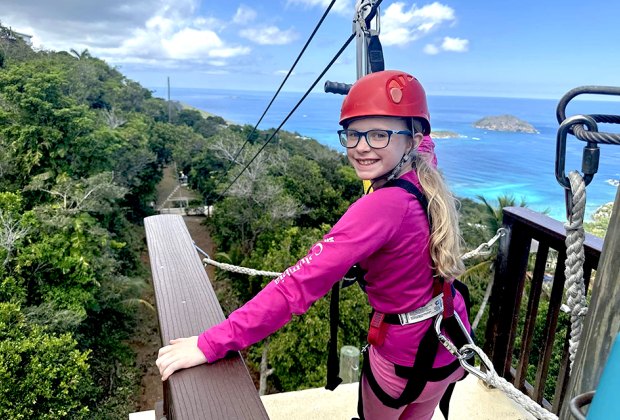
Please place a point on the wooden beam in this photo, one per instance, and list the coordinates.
(602, 322)
(186, 306)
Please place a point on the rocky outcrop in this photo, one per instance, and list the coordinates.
(505, 123)
(443, 134)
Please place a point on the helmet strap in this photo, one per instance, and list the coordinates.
(394, 173)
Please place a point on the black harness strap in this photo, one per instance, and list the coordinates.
(333, 380)
(418, 376)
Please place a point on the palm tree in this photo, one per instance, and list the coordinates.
(484, 268)
(81, 55)
(494, 214)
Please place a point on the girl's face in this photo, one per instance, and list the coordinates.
(372, 163)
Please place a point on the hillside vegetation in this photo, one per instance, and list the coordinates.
(81, 150)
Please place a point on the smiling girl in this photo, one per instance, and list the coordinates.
(407, 260)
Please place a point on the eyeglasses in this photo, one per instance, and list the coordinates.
(376, 139)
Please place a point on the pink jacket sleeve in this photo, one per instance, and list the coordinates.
(299, 286)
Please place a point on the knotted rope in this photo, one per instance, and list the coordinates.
(575, 257)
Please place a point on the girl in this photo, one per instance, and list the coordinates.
(386, 125)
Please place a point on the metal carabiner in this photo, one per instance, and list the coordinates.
(466, 352)
(472, 349)
(446, 341)
(560, 150)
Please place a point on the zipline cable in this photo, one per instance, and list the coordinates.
(369, 17)
(301, 53)
(346, 44)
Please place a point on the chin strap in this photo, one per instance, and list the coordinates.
(396, 171)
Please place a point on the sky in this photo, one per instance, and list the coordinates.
(536, 49)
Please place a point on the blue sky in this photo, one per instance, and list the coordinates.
(488, 48)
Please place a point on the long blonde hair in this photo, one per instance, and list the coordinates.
(445, 240)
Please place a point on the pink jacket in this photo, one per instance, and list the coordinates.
(387, 232)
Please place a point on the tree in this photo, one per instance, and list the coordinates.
(600, 220)
(42, 375)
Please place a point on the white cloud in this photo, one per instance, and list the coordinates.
(448, 44)
(270, 35)
(455, 44)
(431, 49)
(142, 32)
(400, 27)
(244, 15)
(341, 6)
(217, 63)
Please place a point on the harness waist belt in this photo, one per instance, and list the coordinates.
(432, 308)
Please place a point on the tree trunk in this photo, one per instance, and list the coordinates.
(264, 370)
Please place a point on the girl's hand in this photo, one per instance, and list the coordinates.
(182, 353)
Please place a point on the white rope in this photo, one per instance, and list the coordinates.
(485, 247)
(237, 269)
(492, 378)
(575, 257)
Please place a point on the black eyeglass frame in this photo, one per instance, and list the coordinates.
(360, 134)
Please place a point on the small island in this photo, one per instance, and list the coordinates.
(443, 134)
(505, 123)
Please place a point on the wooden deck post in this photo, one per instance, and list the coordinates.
(187, 305)
(602, 322)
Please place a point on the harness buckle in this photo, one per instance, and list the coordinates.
(432, 308)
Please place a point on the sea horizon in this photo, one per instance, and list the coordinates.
(477, 163)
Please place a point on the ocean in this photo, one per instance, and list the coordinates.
(479, 162)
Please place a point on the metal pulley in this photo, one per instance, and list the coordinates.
(369, 55)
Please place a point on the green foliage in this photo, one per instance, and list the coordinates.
(80, 156)
(42, 375)
(298, 351)
(600, 221)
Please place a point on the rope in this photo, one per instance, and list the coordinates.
(595, 136)
(238, 269)
(340, 51)
(485, 247)
(575, 257)
(492, 378)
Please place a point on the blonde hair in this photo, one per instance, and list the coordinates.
(445, 239)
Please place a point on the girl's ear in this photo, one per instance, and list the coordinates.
(417, 139)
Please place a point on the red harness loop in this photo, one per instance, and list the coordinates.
(448, 300)
(377, 330)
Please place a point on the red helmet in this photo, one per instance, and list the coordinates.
(389, 93)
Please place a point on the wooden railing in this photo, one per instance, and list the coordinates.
(187, 305)
(523, 226)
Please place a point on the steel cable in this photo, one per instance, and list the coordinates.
(346, 44)
(301, 53)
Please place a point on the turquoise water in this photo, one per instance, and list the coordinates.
(480, 162)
